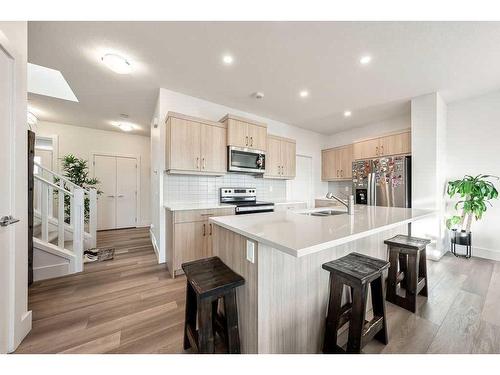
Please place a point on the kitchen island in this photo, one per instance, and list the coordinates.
(282, 306)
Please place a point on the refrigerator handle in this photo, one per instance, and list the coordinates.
(369, 192)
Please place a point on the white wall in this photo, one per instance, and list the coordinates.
(428, 118)
(308, 143)
(473, 148)
(82, 142)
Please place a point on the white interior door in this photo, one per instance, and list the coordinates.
(126, 192)
(301, 187)
(117, 205)
(6, 197)
(105, 172)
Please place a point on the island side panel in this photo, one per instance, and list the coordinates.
(230, 247)
(293, 294)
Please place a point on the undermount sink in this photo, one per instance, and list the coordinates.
(325, 213)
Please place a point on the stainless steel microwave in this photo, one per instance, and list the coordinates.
(246, 160)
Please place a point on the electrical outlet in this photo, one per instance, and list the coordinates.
(250, 251)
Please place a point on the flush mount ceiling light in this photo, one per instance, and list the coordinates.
(227, 59)
(347, 114)
(304, 94)
(117, 63)
(124, 125)
(364, 60)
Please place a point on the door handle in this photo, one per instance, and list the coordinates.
(246, 140)
(204, 230)
(204, 164)
(210, 229)
(381, 150)
(197, 163)
(376, 150)
(7, 220)
(251, 141)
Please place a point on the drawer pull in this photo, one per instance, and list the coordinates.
(204, 230)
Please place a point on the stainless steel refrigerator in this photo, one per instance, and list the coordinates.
(383, 181)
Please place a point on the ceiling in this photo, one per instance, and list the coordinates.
(459, 59)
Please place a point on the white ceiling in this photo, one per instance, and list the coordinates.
(459, 59)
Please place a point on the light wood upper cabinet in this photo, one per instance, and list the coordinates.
(393, 144)
(243, 132)
(213, 149)
(280, 158)
(183, 148)
(336, 163)
(195, 146)
(366, 149)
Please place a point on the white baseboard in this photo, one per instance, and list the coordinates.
(51, 271)
(485, 253)
(21, 331)
(153, 241)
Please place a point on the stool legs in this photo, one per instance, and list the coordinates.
(378, 301)
(205, 324)
(392, 282)
(333, 317)
(422, 271)
(190, 317)
(411, 291)
(357, 321)
(231, 311)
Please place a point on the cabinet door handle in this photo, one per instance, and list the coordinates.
(197, 163)
(246, 140)
(251, 141)
(341, 173)
(210, 225)
(337, 172)
(204, 164)
(382, 150)
(376, 150)
(204, 230)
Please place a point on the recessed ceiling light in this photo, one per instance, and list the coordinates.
(365, 60)
(347, 114)
(304, 94)
(117, 63)
(227, 59)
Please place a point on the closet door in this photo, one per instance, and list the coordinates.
(126, 192)
(105, 172)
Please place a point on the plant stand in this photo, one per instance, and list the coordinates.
(464, 239)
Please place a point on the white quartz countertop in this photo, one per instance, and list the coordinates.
(179, 206)
(289, 202)
(299, 235)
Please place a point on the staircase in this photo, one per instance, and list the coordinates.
(58, 244)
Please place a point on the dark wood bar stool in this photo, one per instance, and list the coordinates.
(408, 259)
(208, 282)
(356, 271)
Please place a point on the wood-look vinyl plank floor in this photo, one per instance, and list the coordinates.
(131, 305)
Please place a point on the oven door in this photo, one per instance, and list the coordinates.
(246, 160)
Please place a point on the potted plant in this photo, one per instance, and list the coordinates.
(76, 170)
(474, 193)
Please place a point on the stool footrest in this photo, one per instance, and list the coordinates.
(400, 277)
(420, 284)
(345, 314)
(371, 328)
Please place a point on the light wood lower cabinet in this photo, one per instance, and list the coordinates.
(280, 158)
(189, 236)
(195, 146)
(336, 163)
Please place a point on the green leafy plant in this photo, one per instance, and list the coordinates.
(76, 170)
(474, 193)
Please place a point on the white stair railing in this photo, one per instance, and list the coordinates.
(63, 182)
(76, 220)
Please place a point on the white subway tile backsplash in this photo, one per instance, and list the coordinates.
(201, 189)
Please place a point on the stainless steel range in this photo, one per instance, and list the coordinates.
(245, 200)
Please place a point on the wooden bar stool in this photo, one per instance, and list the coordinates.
(356, 271)
(209, 281)
(407, 256)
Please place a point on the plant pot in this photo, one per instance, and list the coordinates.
(461, 238)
